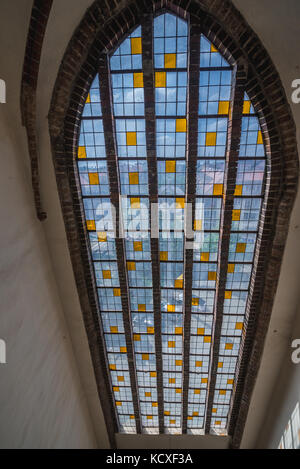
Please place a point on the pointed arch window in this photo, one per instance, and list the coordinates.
(167, 123)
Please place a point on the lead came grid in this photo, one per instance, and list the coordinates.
(128, 101)
(93, 173)
(170, 82)
(245, 217)
(170, 52)
(214, 106)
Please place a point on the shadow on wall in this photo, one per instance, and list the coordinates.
(291, 436)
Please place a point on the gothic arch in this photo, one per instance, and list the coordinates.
(99, 32)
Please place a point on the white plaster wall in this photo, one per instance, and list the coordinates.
(42, 402)
(286, 395)
(42, 398)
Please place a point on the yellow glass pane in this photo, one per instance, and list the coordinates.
(207, 339)
(119, 404)
(218, 422)
(228, 346)
(81, 152)
(213, 48)
(218, 189)
(132, 417)
(236, 215)
(94, 179)
(88, 99)
(138, 80)
(230, 381)
(246, 107)
(116, 389)
(204, 257)
(131, 266)
(170, 60)
(136, 337)
(123, 350)
(141, 307)
(170, 166)
(178, 283)
(149, 417)
(223, 107)
(120, 379)
(180, 125)
(135, 202)
(133, 178)
(131, 138)
(179, 202)
(102, 236)
(117, 292)
(136, 45)
(91, 225)
(238, 190)
(137, 246)
(163, 255)
(204, 380)
(228, 294)
(211, 276)
(222, 392)
(166, 412)
(220, 365)
(172, 422)
(112, 367)
(150, 330)
(178, 362)
(147, 394)
(195, 301)
(197, 391)
(240, 247)
(160, 79)
(197, 225)
(195, 414)
(200, 331)
(171, 344)
(154, 404)
(172, 380)
(153, 374)
(171, 308)
(178, 330)
(198, 363)
(106, 274)
(214, 410)
(231, 268)
(239, 326)
(259, 138)
(211, 139)
(114, 329)
(190, 418)
(178, 391)
(145, 356)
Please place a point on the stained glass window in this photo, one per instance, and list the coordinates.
(150, 392)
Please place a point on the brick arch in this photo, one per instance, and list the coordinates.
(99, 32)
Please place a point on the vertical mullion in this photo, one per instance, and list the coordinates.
(232, 155)
(150, 118)
(192, 144)
(113, 173)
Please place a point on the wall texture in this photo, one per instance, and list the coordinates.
(286, 395)
(42, 403)
(48, 396)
